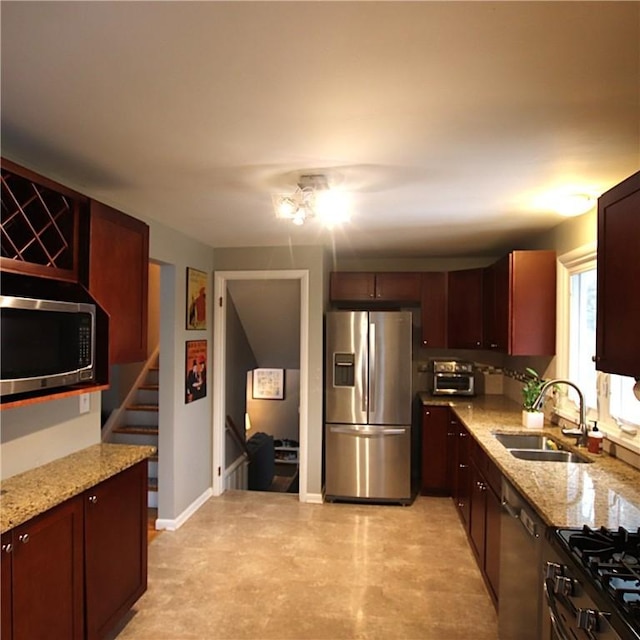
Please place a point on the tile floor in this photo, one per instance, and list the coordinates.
(263, 566)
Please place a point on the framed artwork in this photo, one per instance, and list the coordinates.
(196, 299)
(268, 384)
(195, 370)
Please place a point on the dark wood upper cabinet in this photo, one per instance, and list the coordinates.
(39, 225)
(400, 287)
(465, 310)
(519, 299)
(117, 276)
(353, 286)
(618, 306)
(434, 309)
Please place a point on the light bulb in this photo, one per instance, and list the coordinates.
(287, 207)
(574, 204)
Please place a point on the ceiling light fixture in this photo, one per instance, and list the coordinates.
(312, 198)
(574, 204)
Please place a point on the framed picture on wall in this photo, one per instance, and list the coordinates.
(196, 299)
(268, 384)
(195, 370)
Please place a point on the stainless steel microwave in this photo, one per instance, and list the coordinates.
(45, 344)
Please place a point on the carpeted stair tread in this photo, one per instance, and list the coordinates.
(142, 407)
(137, 430)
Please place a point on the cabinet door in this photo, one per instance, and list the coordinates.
(435, 451)
(496, 305)
(47, 576)
(352, 286)
(398, 287)
(618, 314)
(492, 542)
(118, 279)
(116, 547)
(434, 309)
(462, 474)
(39, 225)
(528, 311)
(6, 605)
(465, 312)
(478, 510)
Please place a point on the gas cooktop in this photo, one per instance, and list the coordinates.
(611, 560)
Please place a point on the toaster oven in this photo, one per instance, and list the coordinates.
(452, 378)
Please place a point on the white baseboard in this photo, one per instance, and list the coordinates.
(173, 525)
(314, 498)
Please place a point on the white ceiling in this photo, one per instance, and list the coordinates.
(444, 120)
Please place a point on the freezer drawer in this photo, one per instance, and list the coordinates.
(368, 462)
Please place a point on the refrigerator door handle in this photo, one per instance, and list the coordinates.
(369, 433)
(364, 392)
(372, 367)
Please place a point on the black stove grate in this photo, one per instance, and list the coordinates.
(613, 559)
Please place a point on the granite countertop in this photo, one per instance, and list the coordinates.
(605, 493)
(33, 492)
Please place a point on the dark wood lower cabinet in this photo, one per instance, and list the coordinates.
(73, 571)
(46, 575)
(115, 548)
(462, 477)
(484, 527)
(6, 612)
(436, 451)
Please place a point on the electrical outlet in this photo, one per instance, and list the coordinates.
(85, 403)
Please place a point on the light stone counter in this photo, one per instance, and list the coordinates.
(33, 492)
(605, 493)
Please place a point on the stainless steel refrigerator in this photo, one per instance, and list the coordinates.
(368, 406)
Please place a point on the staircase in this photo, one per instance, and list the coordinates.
(136, 422)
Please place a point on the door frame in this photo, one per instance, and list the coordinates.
(221, 278)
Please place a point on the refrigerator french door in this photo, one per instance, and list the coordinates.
(368, 406)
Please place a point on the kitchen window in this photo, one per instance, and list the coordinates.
(609, 398)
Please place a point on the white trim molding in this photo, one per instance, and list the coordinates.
(220, 356)
(173, 525)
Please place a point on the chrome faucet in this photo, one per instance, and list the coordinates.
(581, 432)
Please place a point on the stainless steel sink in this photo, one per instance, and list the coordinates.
(537, 447)
(526, 441)
(547, 456)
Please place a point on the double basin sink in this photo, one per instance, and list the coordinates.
(537, 447)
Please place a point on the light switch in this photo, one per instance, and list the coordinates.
(85, 403)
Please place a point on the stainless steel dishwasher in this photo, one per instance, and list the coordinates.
(520, 597)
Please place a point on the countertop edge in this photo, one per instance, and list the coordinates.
(604, 493)
(31, 493)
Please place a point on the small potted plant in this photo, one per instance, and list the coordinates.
(532, 418)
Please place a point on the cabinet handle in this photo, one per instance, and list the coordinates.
(7, 548)
(463, 466)
(427, 413)
(451, 434)
(24, 538)
(462, 434)
(494, 345)
(93, 499)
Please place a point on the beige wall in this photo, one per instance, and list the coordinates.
(569, 235)
(39, 433)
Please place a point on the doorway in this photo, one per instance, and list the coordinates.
(225, 281)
